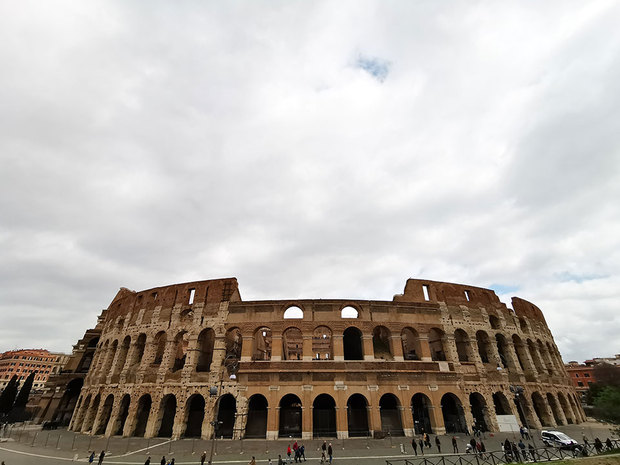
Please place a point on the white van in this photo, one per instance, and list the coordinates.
(559, 440)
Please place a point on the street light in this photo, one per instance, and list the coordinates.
(232, 368)
(518, 391)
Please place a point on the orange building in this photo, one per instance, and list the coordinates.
(582, 376)
(23, 362)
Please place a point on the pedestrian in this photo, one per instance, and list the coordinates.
(608, 444)
(532, 452)
(415, 446)
(427, 440)
(585, 440)
(438, 444)
(296, 451)
(101, 457)
(515, 452)
(330, 452)
(421, 442)
(172, 461)
(203, 457)
(147, 461)
(527, 433)
(91, 459)
(280, 461)
(522, 449)
(598, 445)
(521, 432)
(163, 460)
(302, 452)
(253, 461)
(482, 448)
(324, 447)
(323, 456)
(288, 454)
(455, 447)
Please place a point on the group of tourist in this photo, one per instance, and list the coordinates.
(298, 452)
(425, 442)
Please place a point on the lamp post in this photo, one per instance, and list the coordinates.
(214, 392)
(518, 392)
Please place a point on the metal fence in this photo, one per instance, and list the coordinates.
(544, 454)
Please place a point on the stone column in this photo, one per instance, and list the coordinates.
(116, 407)
(276, 347)
(191, 356)
(98, 414)
(337, 341)
(511, 356)
(247, 347)
(155, 414)
(88, 417)
(167, 360)
(180, 418)
(307, 354)
(342, 426)
(369, 351)
(132, 412)
(425, 350)
(436, 417)
(449, 348)
(397, 347)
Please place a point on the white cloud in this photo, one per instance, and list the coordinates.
(143, 146)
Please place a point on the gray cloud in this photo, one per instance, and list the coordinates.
(143, 146)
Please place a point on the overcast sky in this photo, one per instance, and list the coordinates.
(310, 149)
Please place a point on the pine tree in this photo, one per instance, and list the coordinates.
(8, 396)
(24, 393)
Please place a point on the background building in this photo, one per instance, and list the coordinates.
(174, 360)
(23, 362)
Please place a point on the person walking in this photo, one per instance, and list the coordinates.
(296, 451)
(253, 461)
(302, 452)
(91, 458)
(421, 442)
(427, 440)
(280, 461)
(101, 457)
(163, 460)
(522, 449)
(203, 457)
(147, 461)
(438, 444)
(532, 452)
(288, 454)
(330, 452)
(415, 446)
(455, 447)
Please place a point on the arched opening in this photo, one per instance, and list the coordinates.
(256, 426)
(411, 344)
(541, 410)
(290, 416)
(484, 346)
(206, 340)
(502, 350)
(349, 312)
(195, 416)
(110, 359)
(142, 415)
(479, 411)
(461, 339)
(105, 414)
(554, 409)
(226, 413)
(293, 313)
(357, 416)
(352, 342)
(435, 344)
(453, 415)
(324, 417)
(160, 344)
(391, 422)
(234, 342)
(64, 412)
(520, 350)
(139, 350)
(292, 344)
(322, 343)
(494, 322)
(523, 324)
(180, 344)
(420, 405)
(168, 411)
(531, 347)
(501, 404)
(123, 411)
(90, 415)
(381, 343)
(262, 344)
(88, 356)
(568, 413)
(122, 355)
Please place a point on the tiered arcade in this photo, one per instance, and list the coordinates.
(439, 358)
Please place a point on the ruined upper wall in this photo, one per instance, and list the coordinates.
(527, 309)
(211, 291)
(450, 293)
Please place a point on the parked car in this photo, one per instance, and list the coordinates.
(558, 439)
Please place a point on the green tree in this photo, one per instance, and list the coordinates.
(7, 398)
(607, 404)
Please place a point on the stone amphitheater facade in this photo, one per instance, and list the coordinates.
(185, 359)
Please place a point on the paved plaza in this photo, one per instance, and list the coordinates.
(28, 444)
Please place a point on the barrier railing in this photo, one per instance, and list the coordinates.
(543, 454)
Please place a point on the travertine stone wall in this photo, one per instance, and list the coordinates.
(440, 357)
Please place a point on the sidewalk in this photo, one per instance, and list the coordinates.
(65, 445)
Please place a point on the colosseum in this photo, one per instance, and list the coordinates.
(188, 360)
